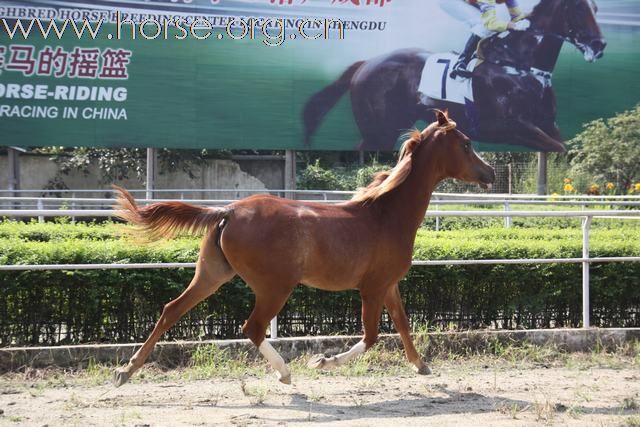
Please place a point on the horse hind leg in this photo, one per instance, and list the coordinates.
(212, 271)
(371, 311)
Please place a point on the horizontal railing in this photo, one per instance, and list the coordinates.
(326, 194)
(508, 202)
(19, 202)
(456, 213)
(283, 191)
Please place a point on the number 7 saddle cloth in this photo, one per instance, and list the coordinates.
(436, 83)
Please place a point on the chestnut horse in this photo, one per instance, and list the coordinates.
(274, 244)
(514, 101)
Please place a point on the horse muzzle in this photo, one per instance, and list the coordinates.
(593, 49)
(486, 177)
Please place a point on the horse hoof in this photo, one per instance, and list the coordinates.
(286, 379)
(120, 376)
(317, 361)
(423, 370)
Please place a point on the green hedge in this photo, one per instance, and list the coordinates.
(59, 307)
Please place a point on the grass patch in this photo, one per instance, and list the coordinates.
(633, 421)
(211, 361)
(256, 394)
(630, 404)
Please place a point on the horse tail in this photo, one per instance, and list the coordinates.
(163, 220)
(321, 102)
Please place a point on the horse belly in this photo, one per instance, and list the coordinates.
(335, 261)
(331, 274)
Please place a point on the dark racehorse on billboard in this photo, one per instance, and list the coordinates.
(512, 99)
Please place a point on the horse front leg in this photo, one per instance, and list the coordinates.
(393, 303)
(516, 131)
(269, 302)
(528, 134)
(371, 311)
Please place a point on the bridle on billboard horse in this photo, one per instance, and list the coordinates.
(514, 102)
(274, 244)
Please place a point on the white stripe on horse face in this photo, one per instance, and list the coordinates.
(276, 361)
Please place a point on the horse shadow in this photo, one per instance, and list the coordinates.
(414, 405)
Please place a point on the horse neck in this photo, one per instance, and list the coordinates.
(406, 206)
(547, 53)
(546, 21)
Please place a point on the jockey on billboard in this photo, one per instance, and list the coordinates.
(481, 16)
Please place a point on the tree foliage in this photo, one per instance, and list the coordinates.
(315, 177)
(609, 149)
(117, 164)
(364, 175)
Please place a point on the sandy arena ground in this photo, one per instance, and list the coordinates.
(458, 393)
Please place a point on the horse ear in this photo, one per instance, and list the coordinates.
(443, 118)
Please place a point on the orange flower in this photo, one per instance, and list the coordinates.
(568, 181)
(637, 186)
(610, 186)
(568, 188)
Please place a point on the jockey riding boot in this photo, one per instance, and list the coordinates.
(460, 68)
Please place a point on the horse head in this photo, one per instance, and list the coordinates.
(574, 21)
(456, 157)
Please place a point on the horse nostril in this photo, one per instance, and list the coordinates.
(599, 46)
(490, 176)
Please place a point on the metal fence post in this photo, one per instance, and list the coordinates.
(290, 188)
(507, 219)
(437, 218)
(152, 159)
(73, 207)
(586, 224)
(40, 207)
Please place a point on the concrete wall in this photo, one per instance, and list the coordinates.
(269, 169)
(3, 172)
(36, 171)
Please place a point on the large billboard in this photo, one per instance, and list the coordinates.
(309, 74)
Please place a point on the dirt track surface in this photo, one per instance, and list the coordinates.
(458, 393)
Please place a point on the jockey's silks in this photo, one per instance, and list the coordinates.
(489, 16)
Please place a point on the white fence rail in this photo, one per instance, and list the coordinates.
(324, 194)
(39, 202)
(508, 202)
(586, 215)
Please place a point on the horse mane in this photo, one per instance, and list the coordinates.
(384, 182)
(546, 8)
